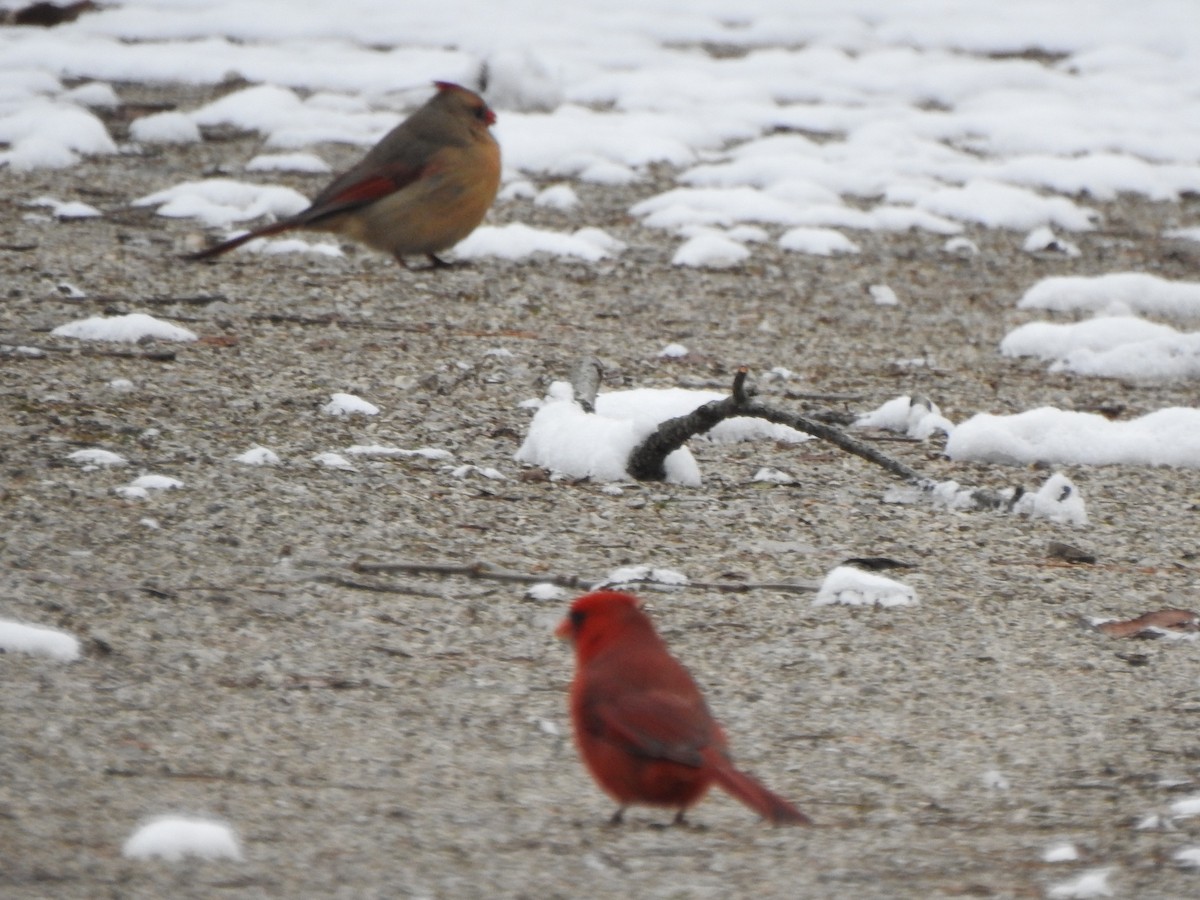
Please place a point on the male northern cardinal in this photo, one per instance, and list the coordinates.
(424, 187)
(641, 723)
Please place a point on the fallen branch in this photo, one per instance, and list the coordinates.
(647, 462)
(488, 572)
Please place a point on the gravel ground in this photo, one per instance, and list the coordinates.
(415, 741)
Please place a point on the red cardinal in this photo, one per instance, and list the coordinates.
(423, 188)
(641, 723)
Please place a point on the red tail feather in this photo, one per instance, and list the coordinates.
(746, 788)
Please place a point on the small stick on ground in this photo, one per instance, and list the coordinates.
(9, 347)
(488, 572)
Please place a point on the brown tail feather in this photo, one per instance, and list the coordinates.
(769, 805)
(233, 243)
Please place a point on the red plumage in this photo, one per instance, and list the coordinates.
(424, 187)
(641, 723)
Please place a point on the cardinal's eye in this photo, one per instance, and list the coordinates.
(577, 618)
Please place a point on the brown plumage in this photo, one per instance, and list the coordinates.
(641, 723)
(424, 187)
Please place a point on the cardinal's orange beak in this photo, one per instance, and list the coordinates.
(563, 631)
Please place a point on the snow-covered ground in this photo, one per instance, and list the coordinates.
(817, 123)
(822, 119)
(749, 130)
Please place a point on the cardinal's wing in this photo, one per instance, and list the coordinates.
(654, 724)
(357, 188)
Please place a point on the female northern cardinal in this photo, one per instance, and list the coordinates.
(641, 723)
(424, 187)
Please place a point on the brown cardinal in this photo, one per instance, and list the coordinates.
(641, 723)
(423, 188)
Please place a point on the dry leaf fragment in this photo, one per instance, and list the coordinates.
(1148, 623)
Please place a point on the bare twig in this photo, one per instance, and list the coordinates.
(786, 587)
(13, 347)
(647, 462)
(818, 396)
(197, 300)
(376, 587)
(838, 438)
(488, 572)
(481, 570)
